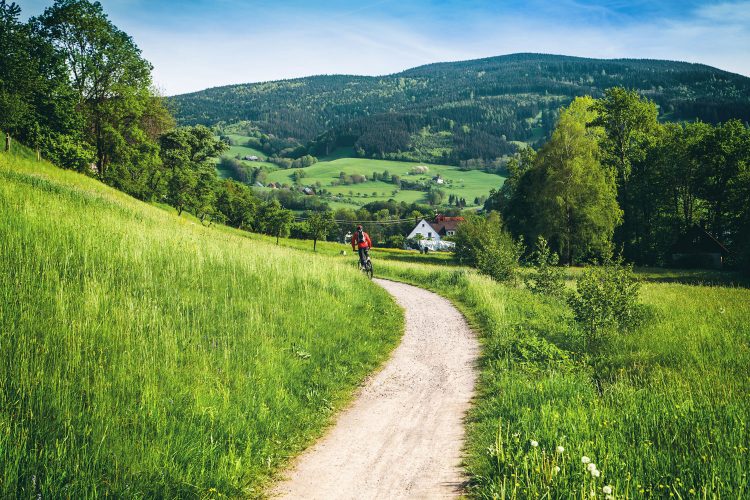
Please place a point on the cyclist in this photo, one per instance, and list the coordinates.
(361, 242)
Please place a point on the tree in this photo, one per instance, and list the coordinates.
(576, 204)
(630, 130)
(237, 205)
(204, 204)
(482, 242)
(276, 220)
(37, 104)
(111, 81)
(627, 120)
(318, 225)
(185, 154)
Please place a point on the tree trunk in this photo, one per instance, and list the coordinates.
(315, 244)
(7, 142)
(179, 211)
(277, 237)
(38, 154)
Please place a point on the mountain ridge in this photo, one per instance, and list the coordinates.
(454, 112)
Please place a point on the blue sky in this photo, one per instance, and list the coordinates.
(199, 44)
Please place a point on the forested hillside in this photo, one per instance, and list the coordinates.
(462, 111)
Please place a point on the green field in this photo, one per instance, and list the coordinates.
(145, 355)
(243, 151)
(464, 184)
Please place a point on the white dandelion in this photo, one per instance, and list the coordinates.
(556, 469)
(591, 466)
(595, 473)
(585, 459)
(607, 490)
(560, 449)
(534, 444)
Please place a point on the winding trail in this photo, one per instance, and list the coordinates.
(402, 437)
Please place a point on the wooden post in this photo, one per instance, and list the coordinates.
(7, 141)
(38, 154)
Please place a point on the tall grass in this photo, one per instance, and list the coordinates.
(664, 414)
(143, 354)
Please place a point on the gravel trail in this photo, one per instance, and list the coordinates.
(402, 437)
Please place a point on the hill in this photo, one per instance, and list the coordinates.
(145, 355)
(458, 111)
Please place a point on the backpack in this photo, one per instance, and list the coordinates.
(360, 236)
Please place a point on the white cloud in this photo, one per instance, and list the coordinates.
(727, 12)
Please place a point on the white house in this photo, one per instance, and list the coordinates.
(433, 233)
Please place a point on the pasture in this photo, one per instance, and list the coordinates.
(465, 184)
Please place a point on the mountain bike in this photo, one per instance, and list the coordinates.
(366, 267)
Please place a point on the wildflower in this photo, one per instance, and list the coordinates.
(534, 444)
(592, 494)
(585, 459)
(595, 473)
(560, 449)
(556, 469)
(607, 490)
(591, 466)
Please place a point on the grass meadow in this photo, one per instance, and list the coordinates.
(663, 413)
(465, 184)
(144, 355)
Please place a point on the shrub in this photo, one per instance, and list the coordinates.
(606, 301)
(548, 279)
(483, 243)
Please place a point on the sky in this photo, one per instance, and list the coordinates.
(196, 44)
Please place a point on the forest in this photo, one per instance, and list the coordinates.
(461, 111)
(612, 178)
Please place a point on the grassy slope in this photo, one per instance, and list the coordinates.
(142, 354)
(672, 416)
(465, 184)
(243, 151)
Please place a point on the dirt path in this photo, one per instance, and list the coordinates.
(402, 437)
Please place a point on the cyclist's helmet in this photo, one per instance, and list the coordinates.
(359, 227)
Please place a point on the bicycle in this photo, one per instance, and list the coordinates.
(366, 267)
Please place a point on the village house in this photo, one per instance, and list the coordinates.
(438, 180)
(432, 234)
(250, 158)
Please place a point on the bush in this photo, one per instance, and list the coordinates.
(548, 279)
(606, 301)
(483, 243)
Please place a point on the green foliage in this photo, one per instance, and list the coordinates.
(112, 87)
(482, 242)
(565, 195)
(274, 220)
(548, 278)
(577, 206)
(186, 155)
(318, 225)
(606, 301)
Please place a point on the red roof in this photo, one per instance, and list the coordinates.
(443, 224)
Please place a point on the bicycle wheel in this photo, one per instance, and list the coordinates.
(368, 268)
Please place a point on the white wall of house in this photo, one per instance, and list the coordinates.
(426, 230)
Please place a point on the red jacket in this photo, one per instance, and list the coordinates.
(365, 244)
